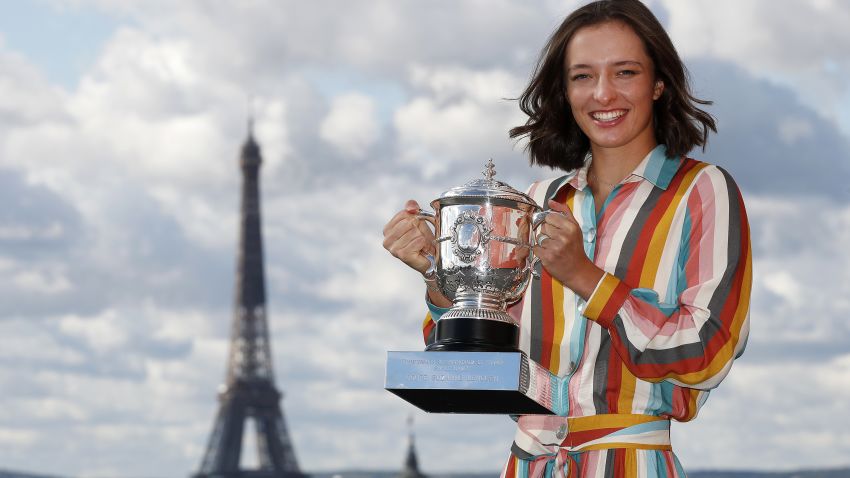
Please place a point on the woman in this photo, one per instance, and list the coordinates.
(644, 300)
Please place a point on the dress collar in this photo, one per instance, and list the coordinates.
(656, 168)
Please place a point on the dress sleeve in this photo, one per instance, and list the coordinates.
(430, 323)
(692, 341)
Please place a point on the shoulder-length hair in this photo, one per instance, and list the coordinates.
(554, 138)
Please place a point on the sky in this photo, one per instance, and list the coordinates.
(120, 127)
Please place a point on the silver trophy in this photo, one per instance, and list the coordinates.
(484, 233)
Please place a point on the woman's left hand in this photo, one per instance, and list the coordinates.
(562, 252)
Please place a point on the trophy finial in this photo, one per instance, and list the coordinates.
(490, 170)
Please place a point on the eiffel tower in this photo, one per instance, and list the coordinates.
(249, 392)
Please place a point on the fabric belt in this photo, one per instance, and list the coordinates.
(548, 446)
(540, 435)
(597, 432)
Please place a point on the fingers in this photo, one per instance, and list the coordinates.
(408, 238)
(556, 206)
(411, 206)
(559, 222)
(558, 231)
(399, 216)
(410, 246)
(404, 230)
(563, 213)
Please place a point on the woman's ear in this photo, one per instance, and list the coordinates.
(658, 89)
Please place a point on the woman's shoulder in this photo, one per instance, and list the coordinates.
(709, 169)
(544, 187)
(710, 177)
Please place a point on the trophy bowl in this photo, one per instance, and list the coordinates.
(484, 232)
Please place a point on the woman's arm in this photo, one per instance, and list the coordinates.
(691, 342)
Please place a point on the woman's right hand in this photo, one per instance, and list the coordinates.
(409, 239)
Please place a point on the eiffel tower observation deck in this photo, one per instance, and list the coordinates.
(249, 394)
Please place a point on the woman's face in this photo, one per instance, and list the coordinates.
(611, 87)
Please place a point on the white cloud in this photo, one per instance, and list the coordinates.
(33, 343)
(802, 44)
(351, 125)
(29, 98)
(46, 281)
(792, 130)
(461, 116)
(22, 232)
(757, 36)
(790, 409)
(18, 438)
(103, 333)
(783, 284)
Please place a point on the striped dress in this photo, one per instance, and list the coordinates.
(659, 331)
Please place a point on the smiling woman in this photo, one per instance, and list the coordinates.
(643, 300)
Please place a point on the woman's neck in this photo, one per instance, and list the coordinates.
(612, 165)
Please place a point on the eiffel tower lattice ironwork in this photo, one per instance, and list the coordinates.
(249, 392)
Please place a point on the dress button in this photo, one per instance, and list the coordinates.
(562, 432)
(590, 235)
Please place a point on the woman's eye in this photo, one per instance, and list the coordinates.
(580, 76)
(627, 73)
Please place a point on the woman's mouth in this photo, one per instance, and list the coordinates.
(608, 116)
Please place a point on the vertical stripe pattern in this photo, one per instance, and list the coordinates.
(606, 463)
(664, 324)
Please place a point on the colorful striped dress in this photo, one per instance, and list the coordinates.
(659, 331)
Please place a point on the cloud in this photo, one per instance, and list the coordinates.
(351, 125)
(801, 45)
(759, 37)
(118, 250)
(457, 120)
(769, 139)
(382, 36)
(785, 393)
(34, 98)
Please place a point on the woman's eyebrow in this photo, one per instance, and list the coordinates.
(583, 66)
(579, 66)
(627, 62)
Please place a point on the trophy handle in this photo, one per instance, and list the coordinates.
(429, 217)
(536, 221)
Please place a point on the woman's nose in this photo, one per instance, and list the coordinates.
(604, 92)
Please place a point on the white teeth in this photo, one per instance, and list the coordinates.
(608, 115)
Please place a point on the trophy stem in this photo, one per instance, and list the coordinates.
(474, 335)
(478, 300)
(476, 322)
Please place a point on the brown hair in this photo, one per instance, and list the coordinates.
(554, 138)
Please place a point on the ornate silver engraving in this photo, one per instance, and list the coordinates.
(489, 170)
(470, 235)
(478, 313)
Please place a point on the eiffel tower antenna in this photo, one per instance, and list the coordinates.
(249, 392)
